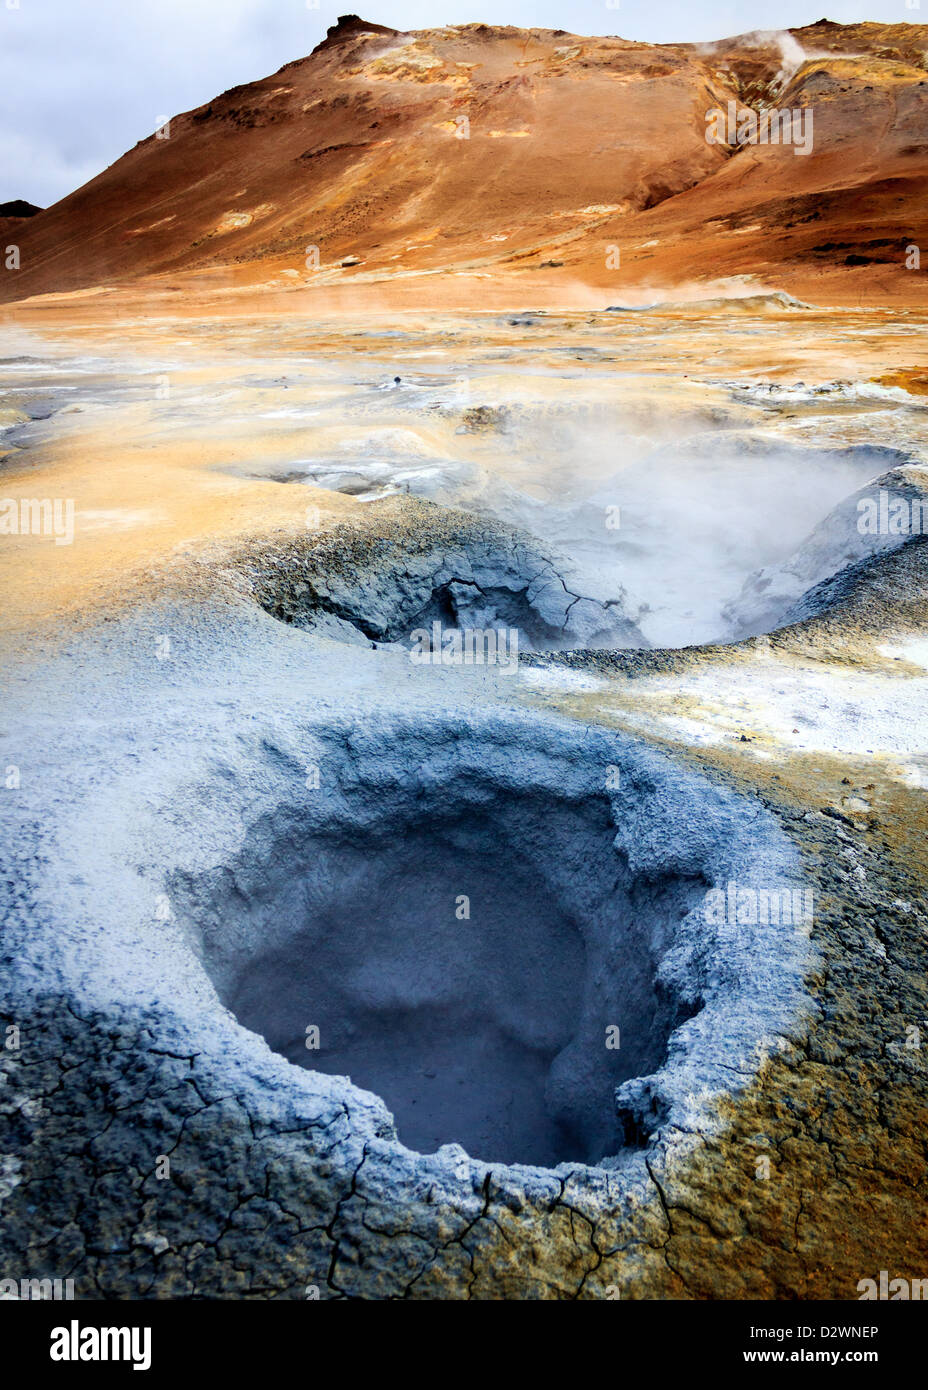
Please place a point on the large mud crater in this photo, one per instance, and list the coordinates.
(464, 959)
(482, 934)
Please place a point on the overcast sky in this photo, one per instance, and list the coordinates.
(82, 80)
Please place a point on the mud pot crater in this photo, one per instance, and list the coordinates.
(464, 911)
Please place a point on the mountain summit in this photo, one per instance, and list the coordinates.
(459, 157)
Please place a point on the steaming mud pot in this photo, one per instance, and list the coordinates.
(331, 969)
(668, 533)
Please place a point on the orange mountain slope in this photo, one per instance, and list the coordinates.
(535, 159)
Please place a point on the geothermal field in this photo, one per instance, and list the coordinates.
(465, 661)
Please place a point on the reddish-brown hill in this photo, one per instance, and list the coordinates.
(497, 152)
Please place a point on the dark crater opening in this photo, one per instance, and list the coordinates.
(463, 948)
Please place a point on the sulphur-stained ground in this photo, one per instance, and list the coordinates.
(260, 509)
(842, 1120)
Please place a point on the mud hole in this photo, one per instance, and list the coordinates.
(470, 925)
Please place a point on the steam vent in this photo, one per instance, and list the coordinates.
(465, 653)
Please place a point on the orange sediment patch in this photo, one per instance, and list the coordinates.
(911, 379)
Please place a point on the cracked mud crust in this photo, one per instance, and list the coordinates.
(257, 1209)
(414, 561)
